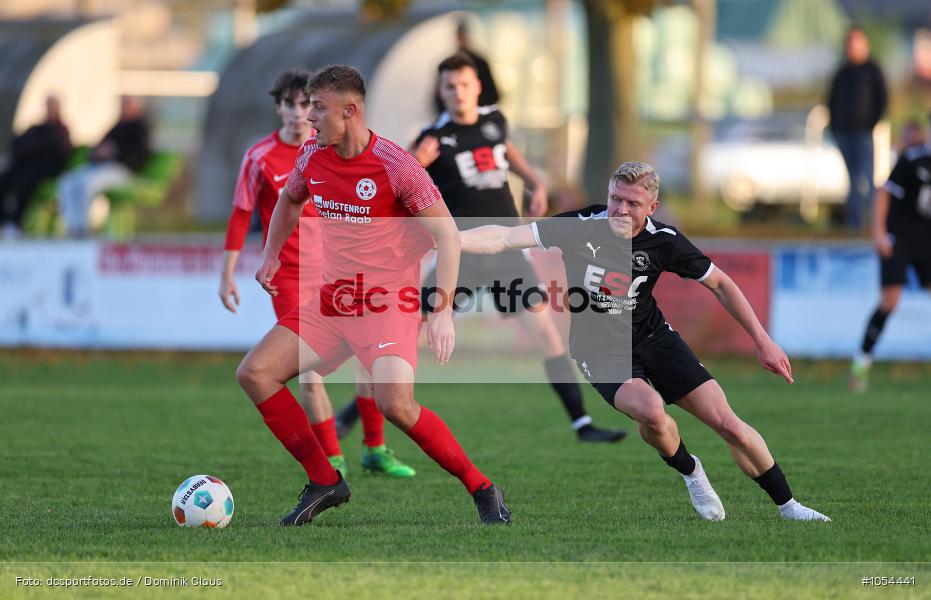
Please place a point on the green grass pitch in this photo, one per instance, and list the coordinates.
(93, 447)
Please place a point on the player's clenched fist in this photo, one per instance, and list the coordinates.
(266, 273)
(441, 335)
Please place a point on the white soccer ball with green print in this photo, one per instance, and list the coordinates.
(202, 501)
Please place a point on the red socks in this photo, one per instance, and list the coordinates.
(435, 438)
(326, 435)
(287, 420)
(373, 423)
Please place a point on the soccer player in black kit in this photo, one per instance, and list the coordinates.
(615, 254)
(468, 154)
(902, 237)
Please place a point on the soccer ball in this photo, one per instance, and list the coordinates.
(202, 500)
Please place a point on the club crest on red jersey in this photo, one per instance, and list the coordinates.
(366, 189)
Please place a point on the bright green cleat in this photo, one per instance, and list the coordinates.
(859, 378)
(338, 462)
(381, 460)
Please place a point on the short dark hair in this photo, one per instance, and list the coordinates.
(288, 82)
(462, 27)
(459, 60)
(338, 78)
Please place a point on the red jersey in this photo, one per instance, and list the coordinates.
(364, 206)
(263, 174)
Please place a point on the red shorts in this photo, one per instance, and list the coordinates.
(290, 295)
(368, 336)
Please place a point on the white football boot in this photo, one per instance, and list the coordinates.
(704, 499)
(794, 511)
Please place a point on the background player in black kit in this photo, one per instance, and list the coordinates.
(902, 237)
(616, 253)
(468, 155)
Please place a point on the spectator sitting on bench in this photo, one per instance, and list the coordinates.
(122, 152)
(40, 153)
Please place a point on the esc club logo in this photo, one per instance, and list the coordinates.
(640, 261)
(366, 189)
(491, 131)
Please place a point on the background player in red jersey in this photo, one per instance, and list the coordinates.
(365, 190)
(264, 172)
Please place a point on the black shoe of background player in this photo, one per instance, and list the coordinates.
(342, 430)
(346, 419)
(590, 433)
(315, 499)
(490, 505)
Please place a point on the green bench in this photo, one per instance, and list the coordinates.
(41, 216)
(147, 189)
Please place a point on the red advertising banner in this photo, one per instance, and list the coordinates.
(695, 313)
(688, 306)
(172, 259)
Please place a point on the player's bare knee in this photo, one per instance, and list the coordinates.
(399, 412)
(396, 407)
(637, 400)
(653, 418)
(648, 412)
(246, 373)
(254, 375)
(732, 430)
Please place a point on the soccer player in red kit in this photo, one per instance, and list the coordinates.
(264, 172)
(365, 190)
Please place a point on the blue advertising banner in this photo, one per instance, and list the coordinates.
(824, 295)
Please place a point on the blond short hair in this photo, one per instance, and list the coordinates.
(638, 173)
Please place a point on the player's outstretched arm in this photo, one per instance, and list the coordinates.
(441, 336)
(538, 200)
(284, 219)
(493, 239)
(771, 356)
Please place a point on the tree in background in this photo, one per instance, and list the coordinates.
(612, 110)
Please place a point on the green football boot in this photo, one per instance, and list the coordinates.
(381, 460)
(338, 462)
(859, 381)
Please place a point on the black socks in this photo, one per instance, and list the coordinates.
(873, 330)
(561, 374)
(774, 483)
(681, 461)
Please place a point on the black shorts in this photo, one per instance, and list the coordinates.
(509, 277)
(907, 249)
(663, 359)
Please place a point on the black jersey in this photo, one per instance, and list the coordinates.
(616, 275)
(472, 169)
(909, 188)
